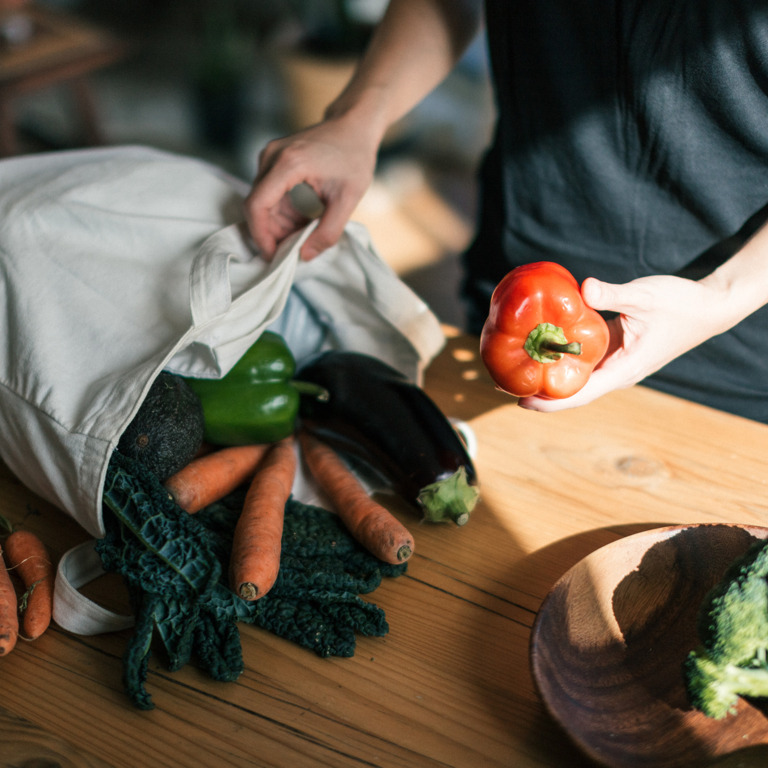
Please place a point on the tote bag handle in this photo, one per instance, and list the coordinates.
(72, 610)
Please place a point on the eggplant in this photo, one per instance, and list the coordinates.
(374, 415)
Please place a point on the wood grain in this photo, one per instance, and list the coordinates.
(450, 685)
(25, 744)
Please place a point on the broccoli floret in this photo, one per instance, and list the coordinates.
(732, 659)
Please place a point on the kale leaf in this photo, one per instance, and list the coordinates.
(175, 565)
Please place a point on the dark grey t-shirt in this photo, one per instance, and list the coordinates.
(632, 140)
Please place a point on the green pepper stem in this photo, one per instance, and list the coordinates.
(308, 389)
(572, 348)
(547, 343)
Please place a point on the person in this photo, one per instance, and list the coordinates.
(631, 146)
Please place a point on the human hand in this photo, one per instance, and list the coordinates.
(660, 317)
(335, 160)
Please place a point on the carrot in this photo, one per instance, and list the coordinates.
(257, 541)
(371, 524)
(27, 555)
(9, 615)
(213, 475)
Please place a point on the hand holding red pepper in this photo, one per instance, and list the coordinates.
(661, 317)
(540, 338)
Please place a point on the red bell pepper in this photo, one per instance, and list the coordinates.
(540, 338)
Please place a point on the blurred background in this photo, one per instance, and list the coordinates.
(217, 79)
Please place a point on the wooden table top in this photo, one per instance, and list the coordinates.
(450, 684)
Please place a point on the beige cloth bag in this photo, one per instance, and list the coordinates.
(118, 263)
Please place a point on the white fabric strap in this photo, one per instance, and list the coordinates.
(72, 610)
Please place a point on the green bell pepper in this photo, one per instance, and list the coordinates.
(257, 401)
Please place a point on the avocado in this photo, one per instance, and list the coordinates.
(167, 430)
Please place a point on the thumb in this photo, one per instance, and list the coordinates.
(607, 296)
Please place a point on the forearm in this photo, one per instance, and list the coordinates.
(413, 49)
(741, 283)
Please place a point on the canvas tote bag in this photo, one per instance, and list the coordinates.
(118, 263)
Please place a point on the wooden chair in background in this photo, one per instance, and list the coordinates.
(53, 49)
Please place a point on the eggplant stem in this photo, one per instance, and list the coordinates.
(451, 499)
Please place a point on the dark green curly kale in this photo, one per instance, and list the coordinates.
(175, 567)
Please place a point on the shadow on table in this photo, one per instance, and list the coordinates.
(643, 662)
(539, 571)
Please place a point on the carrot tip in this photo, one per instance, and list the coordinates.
(404, 553)
(248, 591)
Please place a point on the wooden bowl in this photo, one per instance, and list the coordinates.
(609, 641)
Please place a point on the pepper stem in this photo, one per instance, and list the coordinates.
(308, 389)
(547, 343)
